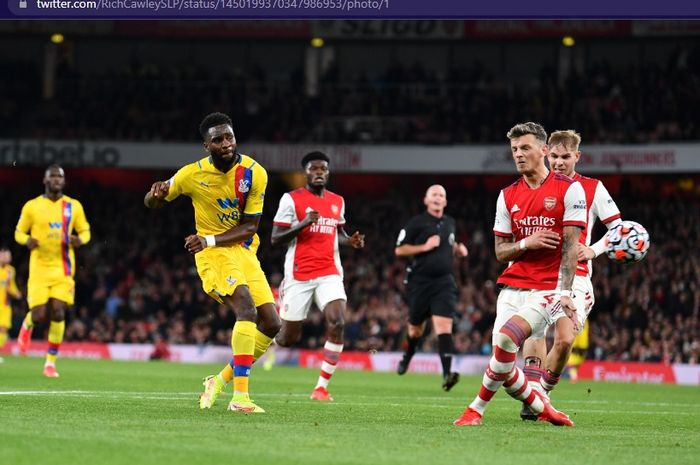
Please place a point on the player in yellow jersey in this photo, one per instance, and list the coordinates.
(227, 190)
(8, 288)
(46, 226)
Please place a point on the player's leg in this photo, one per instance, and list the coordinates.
(57, 328)
(418, 313)
(37, 298)
(442, 308)
(5, 325)
(534, 353)
(578, 353)
(443, 330)
(330, 298)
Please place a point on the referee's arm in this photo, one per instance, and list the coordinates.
(406, 250)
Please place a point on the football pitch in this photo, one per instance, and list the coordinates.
(106, 412)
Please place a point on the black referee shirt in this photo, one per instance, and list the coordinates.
(434, 263)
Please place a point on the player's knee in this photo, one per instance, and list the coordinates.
(563, 342)
(505, 342)
(415, 331)
(287, 337)
(336, 327)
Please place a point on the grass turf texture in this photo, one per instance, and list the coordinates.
(107, 412)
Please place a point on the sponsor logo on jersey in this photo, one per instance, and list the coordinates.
(55, 224)
(227, 203)
(230, 280)
(515, 209)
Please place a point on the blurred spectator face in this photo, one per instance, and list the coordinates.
(528, 153)
(317, 173)
(435, 198)
(221, 143)
(5, 257)
(563, 159)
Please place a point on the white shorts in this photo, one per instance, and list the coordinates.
(533, 305)
(583, 300)
(297, 295)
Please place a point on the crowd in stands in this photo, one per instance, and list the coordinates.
(404, 103)
(136, 283)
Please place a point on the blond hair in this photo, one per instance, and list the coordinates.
(569, 138)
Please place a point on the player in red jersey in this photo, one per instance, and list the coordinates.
(563, 155)
(310, 221)
(538, 223)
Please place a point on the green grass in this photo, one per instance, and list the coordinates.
(104, 412)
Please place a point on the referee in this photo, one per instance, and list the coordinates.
(429, 240)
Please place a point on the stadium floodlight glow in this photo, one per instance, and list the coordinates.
(317, 42)
(57, 38)
(568, 41)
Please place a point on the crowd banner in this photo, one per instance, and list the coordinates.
(458, 159)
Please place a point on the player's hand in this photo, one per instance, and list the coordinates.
(432, 242)
(584, 253)
(460, 250)
(357, 240)
(75, 241)
(32, 243)
(312, 217)
(160, 189)
(543, 239)
(567, 304)
(195, 243)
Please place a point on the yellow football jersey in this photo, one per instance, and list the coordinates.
(52, 223)
(221, 199)
(8, 285)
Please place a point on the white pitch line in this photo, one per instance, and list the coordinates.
(284, 398)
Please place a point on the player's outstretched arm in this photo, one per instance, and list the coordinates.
(155, 198)
(460, 250)
(241, 233)
(406, 250)
(356, 241)
(282, 235)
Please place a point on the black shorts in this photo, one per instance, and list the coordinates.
(431, 297)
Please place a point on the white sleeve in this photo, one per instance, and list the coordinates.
(604, 206)
(575, 206)
(502, 225)
(341, 219)
(286, 215)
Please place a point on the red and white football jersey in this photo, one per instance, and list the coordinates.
(521, 211)
(314, 252)
(600, 206)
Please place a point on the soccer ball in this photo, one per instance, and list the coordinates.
(628, 242)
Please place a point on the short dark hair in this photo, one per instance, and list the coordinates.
(54, 166)
(211, 120)
(316, 155)
(523, 129)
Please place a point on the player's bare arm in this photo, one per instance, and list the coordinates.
(356, 241)
(155, 198)
(460, 250)
(406, 250)
(507, 250)
(567, 270)
(75, 241)
(584, 253)
(32, 243)
(241, 233)
(282, 235)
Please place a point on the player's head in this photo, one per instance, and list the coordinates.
(528, 144)
(54, 179)
(563, 151)
(219, 140)
(5, 256)
(435, 198)
(316, 169)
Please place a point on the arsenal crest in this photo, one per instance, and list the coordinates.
(334, 209)
(550, 202)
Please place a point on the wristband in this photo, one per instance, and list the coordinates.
(210, 240)
(521, 245)
(566, 293)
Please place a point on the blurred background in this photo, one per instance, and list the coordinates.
(398, 105)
